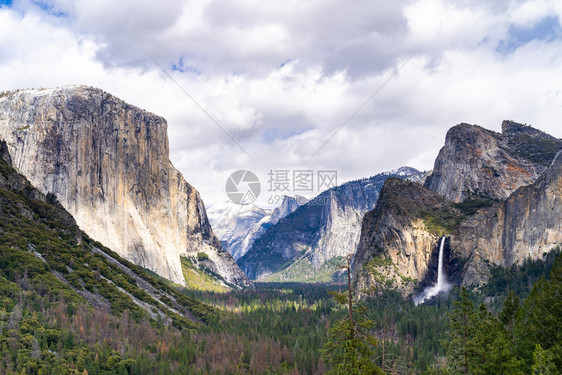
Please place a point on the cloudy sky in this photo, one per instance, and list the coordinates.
(281, 77)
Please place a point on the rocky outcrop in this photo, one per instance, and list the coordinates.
(325, 228)
(288, 206)
(476, 162)
(496, 196)
(107, 162)
(526, 225)
(5, 154)
(400, 236)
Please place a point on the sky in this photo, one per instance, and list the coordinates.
(356, 87)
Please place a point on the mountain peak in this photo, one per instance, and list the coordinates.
(478, 162)
(511, 127)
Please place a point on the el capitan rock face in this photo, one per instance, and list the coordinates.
(479, 162)
(107, 162)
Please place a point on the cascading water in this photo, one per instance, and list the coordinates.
(440, 286)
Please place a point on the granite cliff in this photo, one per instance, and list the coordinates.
(496, 196)
(107, 162)
(528, 224)
(306, 245)
(399, 238)
(476, 162)
(44, 253)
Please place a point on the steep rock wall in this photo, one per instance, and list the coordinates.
(525, 225)
(400, 235)
(107, 162)
(479, 162)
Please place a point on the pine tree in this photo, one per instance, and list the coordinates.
(540, 319)
(460, 350)
(508, 315)
(349, 348)
(542, 362)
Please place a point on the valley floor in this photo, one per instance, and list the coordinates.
(271, 329)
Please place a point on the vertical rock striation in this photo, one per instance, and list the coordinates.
(525, 225)
(108, 163)
(400, 236)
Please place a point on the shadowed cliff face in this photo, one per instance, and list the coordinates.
(400, 236)
(479, 162)
(526, 225)
(108, 164)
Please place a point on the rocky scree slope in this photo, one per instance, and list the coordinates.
(325, 228)
(107, 162)
(42, 250)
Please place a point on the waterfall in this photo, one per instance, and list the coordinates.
(440, 276)
(440, 286)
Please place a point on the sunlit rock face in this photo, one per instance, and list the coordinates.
(108, 164)
(479, 162)
(528, 224)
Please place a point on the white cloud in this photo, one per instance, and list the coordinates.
(282, 76)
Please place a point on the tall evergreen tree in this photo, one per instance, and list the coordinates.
(350, 345)
(540, 320)
(460, 350)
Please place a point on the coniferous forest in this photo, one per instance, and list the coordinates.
(513, 328)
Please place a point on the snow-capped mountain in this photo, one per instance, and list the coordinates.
(238, 226)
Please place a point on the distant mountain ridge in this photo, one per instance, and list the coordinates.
(238, 226)
(299, 247)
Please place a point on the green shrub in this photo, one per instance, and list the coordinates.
(201, 256)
